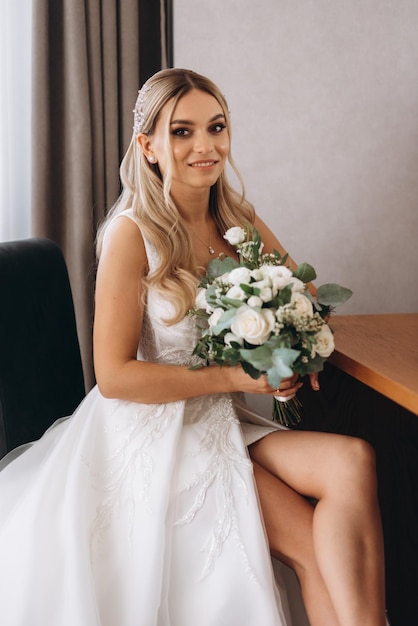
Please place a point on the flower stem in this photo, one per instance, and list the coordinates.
(287, 413)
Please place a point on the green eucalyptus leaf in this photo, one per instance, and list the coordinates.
(259, 357)
(222, 265)
(210, 294)
(305, 273)
(248, 289)
(250, 370)
(285, 295)
(273, 377)
(224, 321)
(283, 358)
(231, 302)
(256, 237)
(331, 294)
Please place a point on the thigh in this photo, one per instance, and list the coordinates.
(309, 462)
(288, 519)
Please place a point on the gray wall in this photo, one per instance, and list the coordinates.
(324, 102)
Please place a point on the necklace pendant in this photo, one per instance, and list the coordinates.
(211, 250)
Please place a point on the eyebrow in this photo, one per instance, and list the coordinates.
(191, 123)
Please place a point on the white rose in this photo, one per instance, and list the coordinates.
(235, 235)
(254, 301)
(239, 275)
(236, 293)
(253, 326)
(230, 337)
(324, 345)
(215, 317)
(302, 305)
(279, 275)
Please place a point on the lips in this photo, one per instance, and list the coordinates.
(203, 163)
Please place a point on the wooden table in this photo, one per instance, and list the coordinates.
(369, 389)
(380, 351)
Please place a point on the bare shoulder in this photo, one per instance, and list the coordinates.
(123, 245)
(268, 237)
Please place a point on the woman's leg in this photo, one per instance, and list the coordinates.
(339, 472)
(288, 518)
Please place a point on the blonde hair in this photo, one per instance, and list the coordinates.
(148, 194)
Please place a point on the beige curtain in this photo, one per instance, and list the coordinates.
(88, 65)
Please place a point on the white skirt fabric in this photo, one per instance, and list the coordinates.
(137, 515)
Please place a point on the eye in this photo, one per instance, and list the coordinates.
(217, 128)
(181, 132)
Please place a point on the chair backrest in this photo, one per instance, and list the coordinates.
(41, 375)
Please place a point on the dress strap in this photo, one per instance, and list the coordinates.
(152, 255)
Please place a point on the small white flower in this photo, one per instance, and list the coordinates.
(257, 274)
(254, 301)
(215, 317)
(200, 301)
(235, 235)
(230, 337)
(266, 294)
(297, 284)
(239, 275)
(324, 339)
(253, 326)
(261, 284)
(247, 249)
(236, 293)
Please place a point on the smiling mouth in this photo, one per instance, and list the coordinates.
(203, 164)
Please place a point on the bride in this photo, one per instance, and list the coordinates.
(162, 499)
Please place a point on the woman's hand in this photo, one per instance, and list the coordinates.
(243, 382)
(314, 381)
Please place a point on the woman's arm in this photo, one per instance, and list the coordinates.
(118, 327)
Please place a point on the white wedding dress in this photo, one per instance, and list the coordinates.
(128, 514)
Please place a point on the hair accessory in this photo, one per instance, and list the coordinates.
(138, 112)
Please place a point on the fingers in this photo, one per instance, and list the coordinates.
(314, 380)
(288, 386)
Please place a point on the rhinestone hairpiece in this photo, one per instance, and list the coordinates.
(138, 111)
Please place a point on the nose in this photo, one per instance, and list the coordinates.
(203, 142)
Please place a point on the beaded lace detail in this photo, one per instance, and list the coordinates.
(224, 469)
(223, 473)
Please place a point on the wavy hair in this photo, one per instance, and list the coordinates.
(148, 195)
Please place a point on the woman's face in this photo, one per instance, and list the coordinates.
(199, 140)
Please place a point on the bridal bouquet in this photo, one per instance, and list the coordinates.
(258, 312)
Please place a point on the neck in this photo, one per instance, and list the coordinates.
(193, 206)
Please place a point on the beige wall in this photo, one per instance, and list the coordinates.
(324, 103)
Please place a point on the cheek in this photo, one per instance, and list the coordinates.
(224, 147)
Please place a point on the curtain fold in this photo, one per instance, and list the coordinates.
(89, 60)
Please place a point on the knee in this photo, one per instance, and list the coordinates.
(356, 464)
(361, 453)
